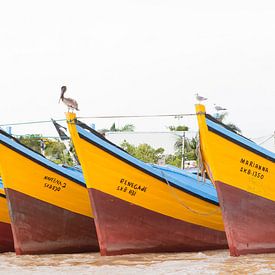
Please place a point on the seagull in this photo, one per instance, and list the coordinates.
(200, 98)
(69, 102)
(219, 108)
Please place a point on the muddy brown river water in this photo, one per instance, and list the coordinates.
(209, 262)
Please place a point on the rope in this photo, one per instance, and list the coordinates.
(177, 133)
(266, 140)
(142, 116)
(175, 195)
(177, 116)
(201, 167)
(258, 138)
(29, 122)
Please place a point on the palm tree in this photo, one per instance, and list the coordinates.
(221, 117)
(178, 128)
(189, 148)
(113, 128)
(234, 128)
(125, 128)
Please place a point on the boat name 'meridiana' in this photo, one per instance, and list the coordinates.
(55, 185)
(130, 187)
(257, 170)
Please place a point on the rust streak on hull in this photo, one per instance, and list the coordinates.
(123, 228)
(40, 228)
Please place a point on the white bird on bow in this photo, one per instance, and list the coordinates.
(200, 98)
(219, 108)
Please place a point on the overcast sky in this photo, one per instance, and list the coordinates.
(138, 57)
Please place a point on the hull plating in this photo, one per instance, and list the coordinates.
(6, 239)
(39, 227)
(244, 175)
(123, 227)
(250, 227)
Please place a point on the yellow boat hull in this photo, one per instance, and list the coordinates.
(244, 175)
(49, 206)
(137, 212)
(6, 238)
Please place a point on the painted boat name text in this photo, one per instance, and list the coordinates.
(252, 164)
(130, 187)
(55, 185)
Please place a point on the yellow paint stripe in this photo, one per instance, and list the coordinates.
(26, 176)
(234, 165)
(110, 175)
(4, 213)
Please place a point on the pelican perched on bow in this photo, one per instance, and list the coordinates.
(69, 102)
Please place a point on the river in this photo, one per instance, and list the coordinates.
(209, 262)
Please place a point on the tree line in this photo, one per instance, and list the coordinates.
(55, 150)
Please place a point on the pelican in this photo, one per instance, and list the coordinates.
(69, 102)
(219, 108)
(200, 98)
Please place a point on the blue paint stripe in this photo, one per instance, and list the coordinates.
(182, 181)
(2, 187)
(240, 139)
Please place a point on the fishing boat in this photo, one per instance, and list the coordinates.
(48, 204)
(6, 239)
(244, 175)
(140, 207)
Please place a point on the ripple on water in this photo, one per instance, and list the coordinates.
(209, 262)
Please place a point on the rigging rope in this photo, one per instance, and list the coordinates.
(180, 201)
(267, 139)
(201, 167)
(177, 116)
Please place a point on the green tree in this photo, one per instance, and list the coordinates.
(54, 150)
(144, 152)
(222, 116)
(127, 128)
(234, 128)
(32, 141)
(190, 146)
(174, 160)
(113, 128)
(178, 128)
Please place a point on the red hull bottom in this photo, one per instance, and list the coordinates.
(6, 239)
(249, 221)
(125, 228)
(40, 228)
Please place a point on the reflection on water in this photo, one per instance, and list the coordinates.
(213, 262)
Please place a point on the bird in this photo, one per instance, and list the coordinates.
(69, 102)
(219, 108)
(200, 98)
